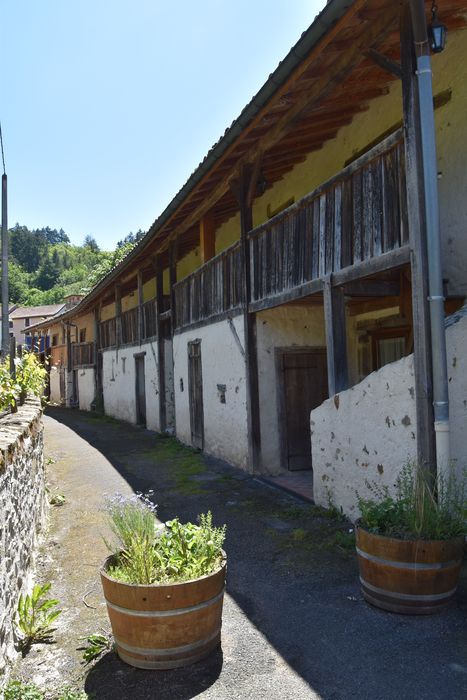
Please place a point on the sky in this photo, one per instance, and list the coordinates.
(107, 106)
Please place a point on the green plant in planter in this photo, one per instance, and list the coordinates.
(147, 553)
(410, 544)
(419, 509)
(175, 572)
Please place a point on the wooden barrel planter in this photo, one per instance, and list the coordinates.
(165, 626)
(416, 577)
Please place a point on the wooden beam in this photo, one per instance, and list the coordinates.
(387, 261)
(207, 237)
(173, 257)
(160, 342)
(242, 188)
(384, 62)
(140, 306)
(372, 288)
(118, 314)
(336, 337)
(417, 233)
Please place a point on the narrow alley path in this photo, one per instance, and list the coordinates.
(294, 626)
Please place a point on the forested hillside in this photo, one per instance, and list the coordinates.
(45, 267)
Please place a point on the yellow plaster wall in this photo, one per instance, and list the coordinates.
(188, 264)
(166, 281)
(130, 301)
(108, 311)
(149, 290)
(85, 322)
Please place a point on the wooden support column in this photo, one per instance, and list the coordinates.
(118, 315)
(244, 191)
(140, 307)
(160, 342)
(68, 349)
(207, 237)
(173, 257)
(336, 337)
(417, 236)
(98, 401)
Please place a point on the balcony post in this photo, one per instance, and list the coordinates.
(118, 315)
(336, 337)
(160, 341)
(207, 237)
(244, 191)
(141, 333)
(417, 234)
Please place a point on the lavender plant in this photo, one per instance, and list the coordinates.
(148, 553)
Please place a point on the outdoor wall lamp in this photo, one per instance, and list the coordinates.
(436, 31)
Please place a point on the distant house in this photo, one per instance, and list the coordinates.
(276, 314)
(24, 316)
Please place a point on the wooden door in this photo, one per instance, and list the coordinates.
(140, 390)
(304, 384)
(195, 389)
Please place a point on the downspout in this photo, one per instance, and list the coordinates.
(433, 242)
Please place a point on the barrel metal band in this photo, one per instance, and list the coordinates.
(166, 613)
(414, 566)
(169, 651)
(406, 596)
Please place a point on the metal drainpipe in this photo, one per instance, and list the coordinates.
(435, 277)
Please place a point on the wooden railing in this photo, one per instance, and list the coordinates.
(212, 290)
(82, 354)
(107, 334)
(129, 321)
(359, 214)
(150, 319)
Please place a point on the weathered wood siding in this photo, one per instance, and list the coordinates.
(107, 333)
(149, 319)
(359, 214)
(212, 290)
(82, 354)
(129, 321)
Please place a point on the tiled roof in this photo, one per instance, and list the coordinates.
(36, 311)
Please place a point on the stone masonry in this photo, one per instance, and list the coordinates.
(22, 510)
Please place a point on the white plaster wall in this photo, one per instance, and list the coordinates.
(86, 388)
(283, 327)
(225, 425)
(456, 342)
(55, 385)
(366, 433)
(119, 383)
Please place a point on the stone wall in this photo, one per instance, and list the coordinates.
(22, 510)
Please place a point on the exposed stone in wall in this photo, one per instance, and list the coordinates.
(366, 433)
(22, 509)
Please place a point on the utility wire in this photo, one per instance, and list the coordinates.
(3, 155)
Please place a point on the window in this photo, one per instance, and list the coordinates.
(82, 335)
(11, 324)
(54, 340)
(389, 345)
(26, 322)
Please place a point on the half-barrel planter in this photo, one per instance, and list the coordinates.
(416, 577)
(164, 626)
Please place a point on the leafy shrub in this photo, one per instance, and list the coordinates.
(419, 509)
(16, 690)
(30, 379)
(147, 554)
(35, 616)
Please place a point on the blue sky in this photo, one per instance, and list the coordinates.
(107, 106)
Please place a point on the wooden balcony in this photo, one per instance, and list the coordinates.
(359, 214)
(211, 291)
(355, 218)
(107, 334)
(82, 355)
(129, 325)
(149, 319)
